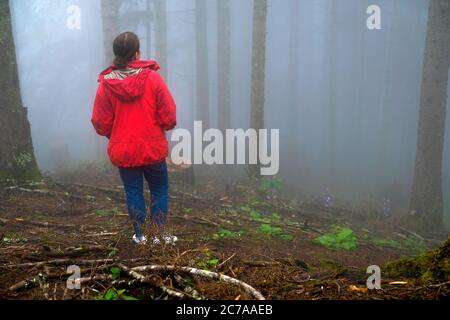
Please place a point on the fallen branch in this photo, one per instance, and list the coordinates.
(222, 263)
(48, 192)
(198, 220)
(66, 262)
(45, 224)
(188, 288)
(207, 274)
(74, 252)
(261, 263)
(147, 280)
(412, 233)
(34, 281)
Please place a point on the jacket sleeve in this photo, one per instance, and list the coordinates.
(103, 113)
(166, 110)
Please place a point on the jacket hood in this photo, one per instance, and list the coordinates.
(128, 84)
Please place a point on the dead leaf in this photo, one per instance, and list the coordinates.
(357, 289)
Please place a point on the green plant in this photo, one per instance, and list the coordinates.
(115, 273)
(268, 229)
(208, 263)
(114, 294)
(409, 242)
(339, 238)
(274, 231)
(287, 237)
(275, 216)
(272, 184)
(107, 212)
(387, 242)
(12, 240)
(187, 210)
(225, 233)
(255, 215)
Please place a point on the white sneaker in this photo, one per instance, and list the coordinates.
(169, 238)
(156, 241)
(140, 240)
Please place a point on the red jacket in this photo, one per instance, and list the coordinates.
(133, 108)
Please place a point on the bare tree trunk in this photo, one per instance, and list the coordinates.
(332, 116)
(17, 160)
(426, 197)
(110, 22)
(293, 62)
(258, 70)
(224, 62)
(202, 62)
(148, 27)
(386, 96)
(161, 36)
(110, 18)
(358, 104)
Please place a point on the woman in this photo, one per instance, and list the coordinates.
(133, 108)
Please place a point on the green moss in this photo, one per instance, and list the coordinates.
(430, 266)
(29, 172)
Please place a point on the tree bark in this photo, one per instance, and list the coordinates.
(358, 103)
(293, 62)
(202, 62)
(426, 197)
(148, 27)
(224, 62)
(17, 160)
(386, 96)
(332, 80)
(110, 18)
(258, 70)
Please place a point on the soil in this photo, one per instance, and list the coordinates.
(81, 215)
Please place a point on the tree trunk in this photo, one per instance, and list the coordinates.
(17, 160)
(391, 7)
(332, 116)
(110, 18)
(358, 103)
(293, 85)
(258, 70)
(426, 198)
(202, 62)
(224, 62)
(161, 36)
(148, 28)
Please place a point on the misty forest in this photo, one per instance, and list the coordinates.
(361, 191)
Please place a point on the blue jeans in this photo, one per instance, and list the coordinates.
(158, 181)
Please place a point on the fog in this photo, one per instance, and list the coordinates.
(318, 59)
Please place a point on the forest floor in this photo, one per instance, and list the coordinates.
(283, 250)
